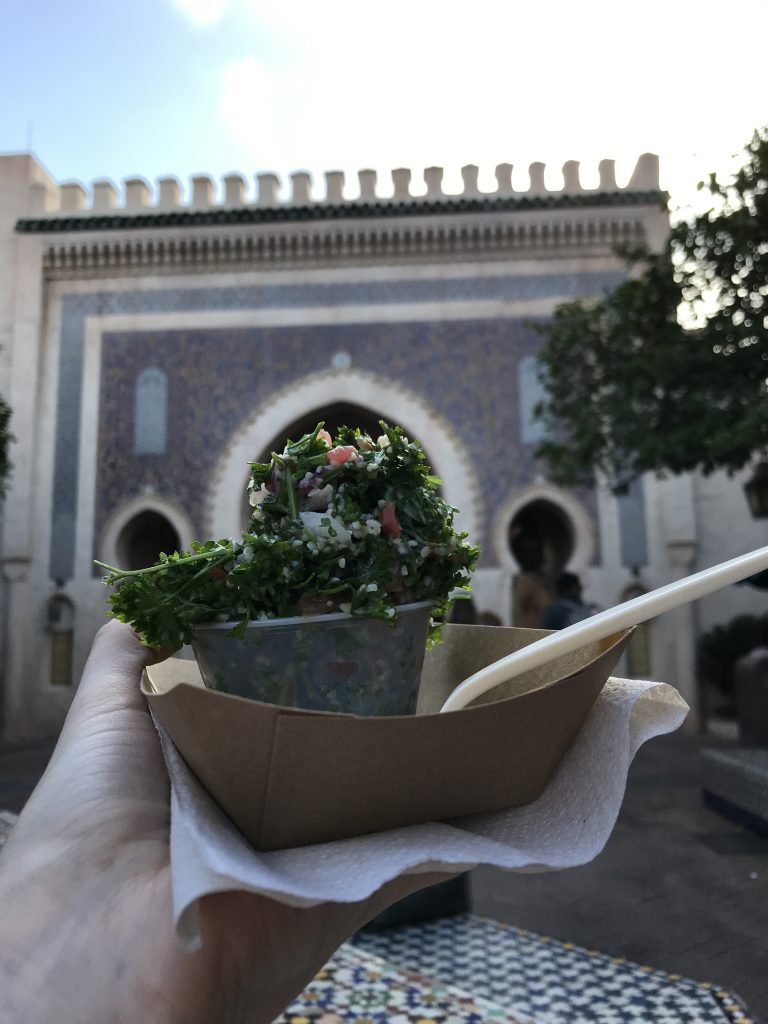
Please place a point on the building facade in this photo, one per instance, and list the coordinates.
(152, 347)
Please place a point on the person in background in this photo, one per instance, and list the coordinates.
(569, 607)
(531, 592)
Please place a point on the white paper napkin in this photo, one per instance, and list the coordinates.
(568, 825)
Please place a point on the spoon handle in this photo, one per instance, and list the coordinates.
(599, 626)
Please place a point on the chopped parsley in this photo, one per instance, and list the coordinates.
(348, 524)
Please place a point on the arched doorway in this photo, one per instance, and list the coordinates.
(334, 416)
(338, 414)
(143, 538)
(542, 539)
(542, 536)
(446, 450)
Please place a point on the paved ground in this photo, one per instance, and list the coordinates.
(678, 887)
(21, 767)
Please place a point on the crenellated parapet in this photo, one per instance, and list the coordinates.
(137, 198)
(235, 223)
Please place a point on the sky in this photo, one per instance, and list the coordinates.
(98, 89)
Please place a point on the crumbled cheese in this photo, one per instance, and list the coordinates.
(327, 530)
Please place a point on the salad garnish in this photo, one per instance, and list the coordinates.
(339, 524)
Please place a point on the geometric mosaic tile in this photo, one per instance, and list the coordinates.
(551, 982)
(358, 987)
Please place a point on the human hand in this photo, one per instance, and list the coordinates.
(86, 932)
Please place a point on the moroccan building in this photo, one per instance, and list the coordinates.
(153, 346)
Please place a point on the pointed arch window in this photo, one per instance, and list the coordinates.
(633, 533)
(150, 409)
(530, 391)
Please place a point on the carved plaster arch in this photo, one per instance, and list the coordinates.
(583, 525)
(384, 397)
(143, 503)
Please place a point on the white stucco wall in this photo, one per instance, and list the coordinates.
(726, 529)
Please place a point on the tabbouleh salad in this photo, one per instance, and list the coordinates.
(344, 524)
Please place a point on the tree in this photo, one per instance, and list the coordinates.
(629, 389)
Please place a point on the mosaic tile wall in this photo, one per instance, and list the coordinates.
(466, 371)
(230, 378)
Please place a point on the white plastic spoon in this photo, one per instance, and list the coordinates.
(599, 626)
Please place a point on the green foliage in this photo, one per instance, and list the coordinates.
(629, 390)
(721, 647)
(347, 524)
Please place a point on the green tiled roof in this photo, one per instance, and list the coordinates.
(341, 211)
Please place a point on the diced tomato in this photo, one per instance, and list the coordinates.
(389, 521)
(343, 453)
(218, 574)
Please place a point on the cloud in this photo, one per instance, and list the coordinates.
(202, 12)
(250, 105)
(348, 85)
